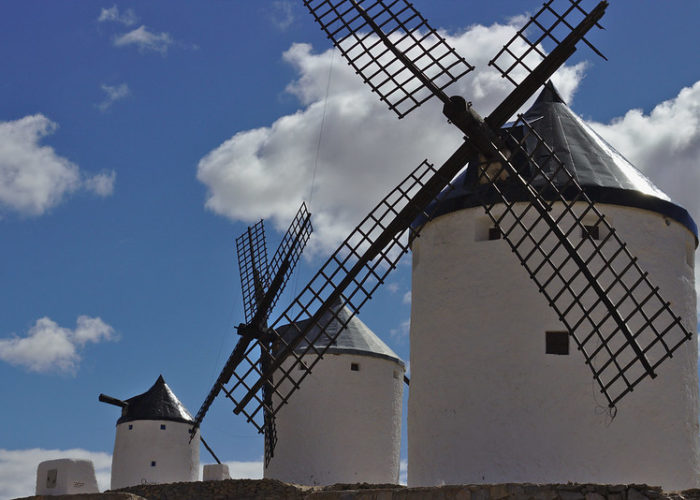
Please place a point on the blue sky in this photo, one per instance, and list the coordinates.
(138, 139)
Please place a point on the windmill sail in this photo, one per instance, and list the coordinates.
(343, 21)
(261, 289)
(393, 48)
(617, 317)
(252, 265)
(347, 279)
(523, 60)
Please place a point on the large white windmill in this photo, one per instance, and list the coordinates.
(499, 393)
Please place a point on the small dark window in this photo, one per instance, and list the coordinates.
(494, 233)
(131, 426)
(153, 463)
(355, 367)
(557, 343)
(591, 232)
(162, 427)
(51, 477)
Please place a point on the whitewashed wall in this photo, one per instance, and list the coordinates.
(342, 426)
(66, 476)
(135, 449)
(487, 405)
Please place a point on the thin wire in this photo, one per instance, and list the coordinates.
(320, 132)
(318, 152)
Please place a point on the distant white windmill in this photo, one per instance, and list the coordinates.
(344, 425)
(153, 444)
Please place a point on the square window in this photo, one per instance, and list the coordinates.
(162, 427)
(355, 367)
(494, 233)
(131, 426)
(557, 343)
(153, 463)
(591, 232)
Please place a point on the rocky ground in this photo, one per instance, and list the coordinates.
(248, 489)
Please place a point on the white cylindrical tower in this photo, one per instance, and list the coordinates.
(488, 404)
(344, 424)
(152, 444)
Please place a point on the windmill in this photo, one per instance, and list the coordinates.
(407, 62)
(261, 286)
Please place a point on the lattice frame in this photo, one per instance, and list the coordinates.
(525, 50)
(251, 249)
(416, 65)
(618, 319)
(349, 278)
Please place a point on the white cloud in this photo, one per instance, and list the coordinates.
(665, 145)
(48, 347)
(113, 93)
(112, 14)
(101, 184)
(282, 14)
(33, 178)
(401, 333)
(407, 297)
(364, 152)
(18, 468)
(145, 40)
(392, 287)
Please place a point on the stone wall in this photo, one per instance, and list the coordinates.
(248, 489)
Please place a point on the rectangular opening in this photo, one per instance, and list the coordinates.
(557, 343)
(592, 232)
(355, 367)
(51, 476)
(162, 427)
(485, 229)
(153, 463)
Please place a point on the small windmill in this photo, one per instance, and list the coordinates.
(261, 285)
(407, 62)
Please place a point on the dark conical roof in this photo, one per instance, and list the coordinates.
(355, 338)
(157, 403)
(603, 173)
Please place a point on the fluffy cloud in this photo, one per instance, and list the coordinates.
(401, 333)
(33, 178)
(282, 14)
(144, 40)
(48, 347)
(113, 94)
(363, 152)
(101, 184)
(18, 468)
(112, 14)
(665, 145)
